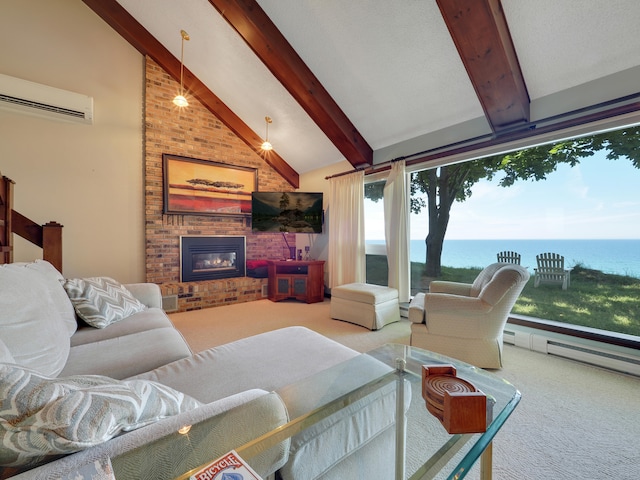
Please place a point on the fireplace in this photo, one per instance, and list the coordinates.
(211, 257)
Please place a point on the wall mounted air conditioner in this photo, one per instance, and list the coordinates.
(23, 96)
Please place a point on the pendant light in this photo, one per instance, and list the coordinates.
(181, 100)
(266, 145)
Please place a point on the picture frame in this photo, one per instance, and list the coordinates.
(193, 186)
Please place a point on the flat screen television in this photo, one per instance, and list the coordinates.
(293, 212)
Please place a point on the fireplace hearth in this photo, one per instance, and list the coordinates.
(211, 257)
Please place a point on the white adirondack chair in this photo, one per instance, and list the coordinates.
(509, 257)
(551, 270)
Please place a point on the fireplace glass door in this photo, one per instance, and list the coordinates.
(212, 257)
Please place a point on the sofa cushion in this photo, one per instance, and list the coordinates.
(148, 319)
(101, 301)
(127, 355)
(30, 322)
(41, 416)
(259, 361)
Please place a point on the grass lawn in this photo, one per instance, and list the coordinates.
(594, 299)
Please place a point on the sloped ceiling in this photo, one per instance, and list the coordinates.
(372, 80)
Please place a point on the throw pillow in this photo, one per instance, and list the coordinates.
(42, 417)
(30, 323)
(101, 301)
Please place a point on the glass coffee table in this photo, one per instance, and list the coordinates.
(444, 455)
(423, 448)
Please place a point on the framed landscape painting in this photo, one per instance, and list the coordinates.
(201, 187)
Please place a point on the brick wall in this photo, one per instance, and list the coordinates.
(195, 132)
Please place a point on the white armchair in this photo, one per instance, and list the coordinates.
(465, 321)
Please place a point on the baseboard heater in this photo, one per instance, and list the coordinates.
(613, 357)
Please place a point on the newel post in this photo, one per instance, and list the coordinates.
(52, 244)
(6, 202)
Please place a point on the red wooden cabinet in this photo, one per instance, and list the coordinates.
(301, 280)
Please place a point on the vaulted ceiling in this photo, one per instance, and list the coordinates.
(374, 80)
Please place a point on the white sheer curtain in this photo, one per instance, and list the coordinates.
(396, 225)
(346, 229)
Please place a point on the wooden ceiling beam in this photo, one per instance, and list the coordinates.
(268, 43)
(129, 28)
(480, 32)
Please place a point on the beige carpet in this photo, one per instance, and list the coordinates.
(574, 421)
(216, 326)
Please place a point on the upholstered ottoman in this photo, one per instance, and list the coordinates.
(371, 306)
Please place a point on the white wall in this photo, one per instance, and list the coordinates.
(89, 178)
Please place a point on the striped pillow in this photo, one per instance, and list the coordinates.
(101, 301)
(41, 416)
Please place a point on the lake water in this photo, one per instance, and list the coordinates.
(621, 257)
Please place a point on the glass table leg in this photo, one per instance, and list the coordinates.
(401, 421)
(486, 463)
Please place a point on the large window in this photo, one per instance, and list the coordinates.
(579, 199)
(375, 246)
(589, 213)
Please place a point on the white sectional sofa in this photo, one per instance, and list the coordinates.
(140, 362)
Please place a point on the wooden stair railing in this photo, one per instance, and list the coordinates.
(48, 236)
(6, 239)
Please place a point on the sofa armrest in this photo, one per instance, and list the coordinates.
(436, 303)
(157, 451)
(147, 293)
(454, 288)
(416, 308)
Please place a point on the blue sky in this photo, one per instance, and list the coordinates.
(598, 199)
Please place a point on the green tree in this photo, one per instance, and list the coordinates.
(284, 201)
(445, 185)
